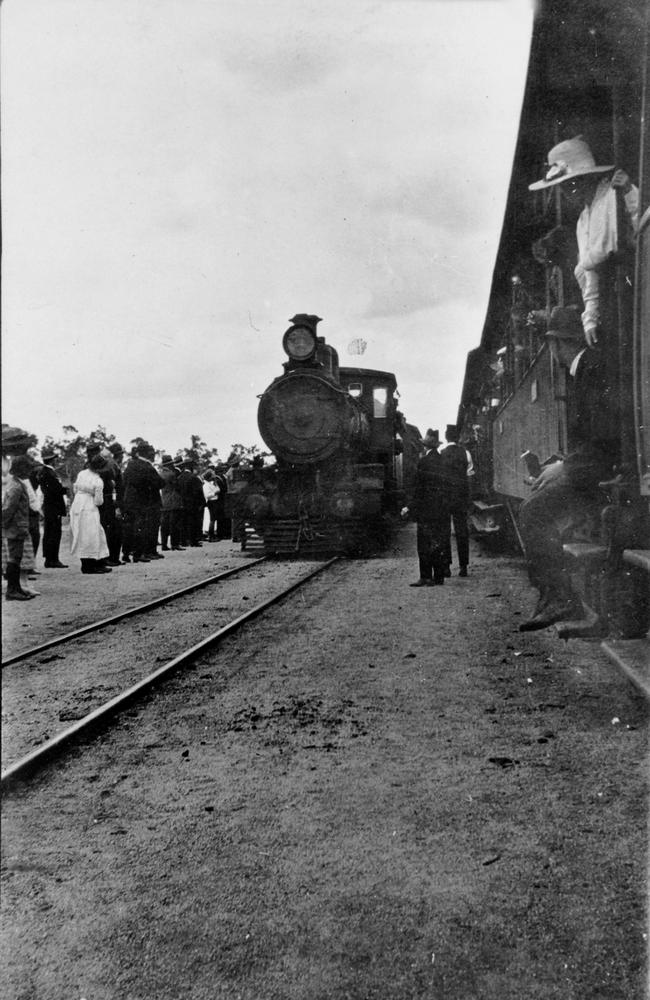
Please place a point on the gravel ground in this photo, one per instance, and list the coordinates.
(83, 674)
(376, 792)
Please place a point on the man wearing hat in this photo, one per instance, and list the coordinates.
(429, 509)
(142, 486)
(455, 462)
(190, 486)
(172, 506)
(566, 493)
(110, 511)
(593, 189)
(54, 508)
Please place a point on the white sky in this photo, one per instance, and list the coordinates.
(180, 177)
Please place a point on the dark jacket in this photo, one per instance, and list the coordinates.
(191, 490)
(15, 510)
(428, 505)
(171, 497)
(453, 467)
(594, 409)
(53, 492)
(142, 485)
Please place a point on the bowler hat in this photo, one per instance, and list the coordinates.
(565, 323)
(116, 449)
(431, 439)
(166, 460)
(93, 449)
(47, 455)
(569, 159)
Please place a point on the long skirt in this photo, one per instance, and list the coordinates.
(88, 537)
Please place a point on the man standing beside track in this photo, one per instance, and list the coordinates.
(456, 471)
(141, 484)
(431, 511)
(54, 508)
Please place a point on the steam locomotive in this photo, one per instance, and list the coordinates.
(344, 454)
(588, 76)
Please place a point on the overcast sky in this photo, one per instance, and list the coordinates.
(180, 177)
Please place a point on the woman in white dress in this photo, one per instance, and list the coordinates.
(88, 538)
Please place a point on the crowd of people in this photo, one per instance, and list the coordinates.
(121, 511)
(134, 510)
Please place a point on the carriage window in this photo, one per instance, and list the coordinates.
(379, 401)
(355, 389)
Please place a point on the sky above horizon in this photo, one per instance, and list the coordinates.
(180, 177)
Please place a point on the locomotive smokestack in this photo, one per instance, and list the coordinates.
(305, 319)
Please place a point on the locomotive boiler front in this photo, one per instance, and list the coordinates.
(305, 418)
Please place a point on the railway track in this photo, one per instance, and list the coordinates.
(26, 654)
(104, 667)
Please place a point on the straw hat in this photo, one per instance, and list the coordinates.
(569, 159)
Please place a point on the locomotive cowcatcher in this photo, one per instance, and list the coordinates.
(338, 440)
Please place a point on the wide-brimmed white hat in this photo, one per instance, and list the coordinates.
(569, 159)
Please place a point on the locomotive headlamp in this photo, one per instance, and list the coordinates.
(299, 342)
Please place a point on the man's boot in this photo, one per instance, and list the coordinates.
(14, 591)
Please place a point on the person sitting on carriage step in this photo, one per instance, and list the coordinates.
(572, 164)
(566, 495)
(457, 467)
(429, 510)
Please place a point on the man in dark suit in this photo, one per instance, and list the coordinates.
(154, 509)
(429, 508)
(114, 537)
(453, 460)
(190, 487)
(141, 483)
(54, 508)
(223, 523)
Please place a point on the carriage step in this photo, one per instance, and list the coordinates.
(637, 557)
(583, 553)
(632, 656)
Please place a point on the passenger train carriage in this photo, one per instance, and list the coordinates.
(588, 76)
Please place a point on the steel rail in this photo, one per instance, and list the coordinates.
(95, 626)
(41, 755)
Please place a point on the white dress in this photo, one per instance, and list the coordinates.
(88, 538)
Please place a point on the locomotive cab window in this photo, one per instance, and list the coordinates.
(355, 389)
(379, 401)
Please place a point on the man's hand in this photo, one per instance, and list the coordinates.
(548, 475)
(622, 181)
